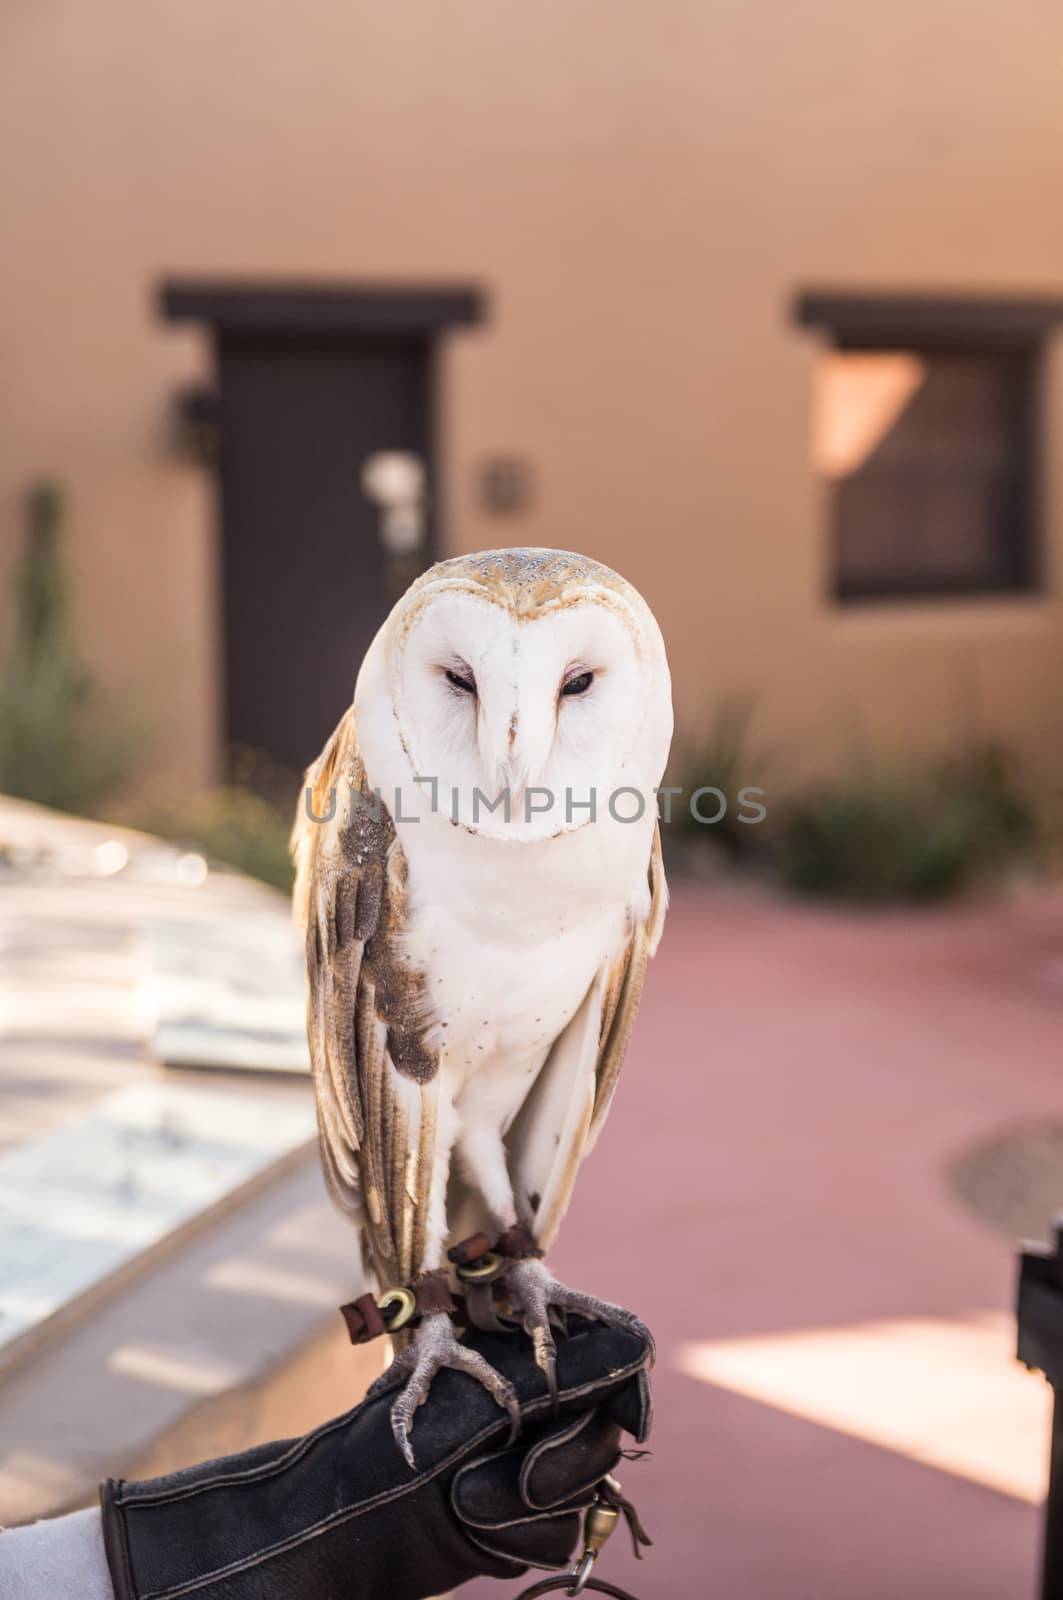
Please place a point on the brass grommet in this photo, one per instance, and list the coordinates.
(406, 1301)
(484, 1266)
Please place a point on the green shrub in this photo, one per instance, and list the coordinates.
(884, 833)
(233, 825)
(58, 743)
(725, 759)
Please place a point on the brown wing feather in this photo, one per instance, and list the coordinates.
(374, 1078)
(624, 991)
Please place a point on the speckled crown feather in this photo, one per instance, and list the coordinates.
(523, 580)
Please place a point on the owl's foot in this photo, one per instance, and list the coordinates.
(538, 1300)
(434, 1347)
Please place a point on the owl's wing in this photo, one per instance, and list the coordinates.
(564, 1112)
(374, 1079)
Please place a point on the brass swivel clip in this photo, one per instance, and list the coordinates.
(598, 1523)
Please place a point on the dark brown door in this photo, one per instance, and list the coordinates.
(306, 577)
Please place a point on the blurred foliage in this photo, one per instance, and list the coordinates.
(724, 758)
(879, 832)
(920, 832)
(244, 823)
(59, 743)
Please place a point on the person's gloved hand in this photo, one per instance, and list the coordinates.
(338, 1515)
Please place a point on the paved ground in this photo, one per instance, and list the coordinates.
(835, 1388)
(839, 1416)
(109, 940)
(127, 1188)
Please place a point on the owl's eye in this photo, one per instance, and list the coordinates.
(457, 681)
(578, 685)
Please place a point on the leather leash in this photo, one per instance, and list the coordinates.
(564, 1583)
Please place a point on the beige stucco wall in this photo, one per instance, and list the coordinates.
(641, 188)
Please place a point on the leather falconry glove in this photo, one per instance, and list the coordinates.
(339, 1513)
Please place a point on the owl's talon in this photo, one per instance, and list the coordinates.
(541, 1301)
(549, 1366)
(400, 1427)
(545, 1353)
(435, 1346)
(558, 1320)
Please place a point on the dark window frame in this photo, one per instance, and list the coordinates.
(932, 326)
(237, 307)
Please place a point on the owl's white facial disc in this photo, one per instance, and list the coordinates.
(546, 707)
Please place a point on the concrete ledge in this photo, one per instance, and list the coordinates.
(230, 1340)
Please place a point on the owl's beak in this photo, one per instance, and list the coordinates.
(512, 774)
(515, 745)
(515, 780)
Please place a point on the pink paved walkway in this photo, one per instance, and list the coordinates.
(798, 1080)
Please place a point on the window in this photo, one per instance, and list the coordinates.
(926, 444)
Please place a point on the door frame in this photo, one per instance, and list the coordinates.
(352, 312)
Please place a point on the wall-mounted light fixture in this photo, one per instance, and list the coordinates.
(197, 422)
(506, 485)
(395, 481)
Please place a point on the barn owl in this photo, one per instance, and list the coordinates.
(479, 876)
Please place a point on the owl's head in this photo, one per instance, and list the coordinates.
(523, 670)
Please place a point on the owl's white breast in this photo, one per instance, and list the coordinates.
(509, 934)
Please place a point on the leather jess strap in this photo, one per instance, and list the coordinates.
(518, 1243)
(432, 1294)
(368, 1317)
(365, 1317)
(515, 1244)
(470, 1249)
